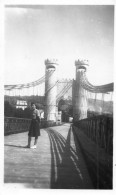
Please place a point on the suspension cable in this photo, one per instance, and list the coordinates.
(27, 85)
(95, 89)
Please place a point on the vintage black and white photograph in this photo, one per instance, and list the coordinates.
(58, 96)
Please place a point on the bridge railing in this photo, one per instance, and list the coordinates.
(100, 130)
(17, 125)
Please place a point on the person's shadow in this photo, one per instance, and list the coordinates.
(16, 146)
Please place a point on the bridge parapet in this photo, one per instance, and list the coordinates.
(100, 130)
(18, 125)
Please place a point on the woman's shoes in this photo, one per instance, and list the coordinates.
(33, 147)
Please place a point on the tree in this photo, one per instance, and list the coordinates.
(8, 109)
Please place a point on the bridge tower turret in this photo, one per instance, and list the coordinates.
(50, 89)
(79, 99)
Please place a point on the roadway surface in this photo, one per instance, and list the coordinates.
(57, 163)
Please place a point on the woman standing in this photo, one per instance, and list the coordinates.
(34, 130)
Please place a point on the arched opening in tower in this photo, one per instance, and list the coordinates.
(65, 106)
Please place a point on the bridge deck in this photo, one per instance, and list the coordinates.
(57, 163)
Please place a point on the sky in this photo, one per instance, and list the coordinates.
(64, 32)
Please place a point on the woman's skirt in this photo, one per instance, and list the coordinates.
(34, 130)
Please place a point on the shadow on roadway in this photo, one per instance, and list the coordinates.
(16, 146)
(65, 164)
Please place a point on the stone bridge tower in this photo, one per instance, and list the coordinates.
(50, 90)
(78, 93)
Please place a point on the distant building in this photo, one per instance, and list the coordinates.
(21, 104)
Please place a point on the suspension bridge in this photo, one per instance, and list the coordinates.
(76, 155)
